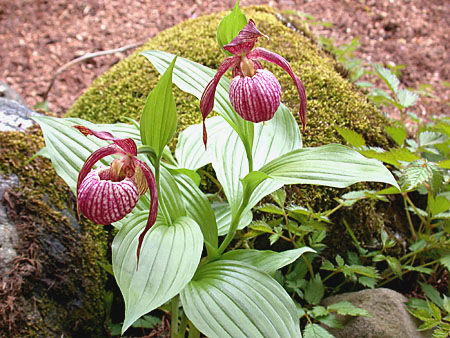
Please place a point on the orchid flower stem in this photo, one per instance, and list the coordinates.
(232, 231)
(174, 317)
(250, 159)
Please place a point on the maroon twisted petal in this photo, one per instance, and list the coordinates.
(207, 100)
(261, 53)
(151, 182)
(127, 144)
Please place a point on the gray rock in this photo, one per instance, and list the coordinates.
(8, 231)
(14, 116)
(8, 93)
(390, 317)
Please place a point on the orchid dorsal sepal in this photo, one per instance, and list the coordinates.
(107, 194)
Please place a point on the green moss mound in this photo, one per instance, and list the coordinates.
(57, 285)
(332, 99)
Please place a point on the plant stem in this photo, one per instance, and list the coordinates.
(233, 227)
(183, 325)
(193, 331)
(330, 275)
(404, 272)
(332, 211)
(408, 216)
(309, 266)
(174, 317)
(212, 178)
(250, 160)
(402, 115)
(415, 210)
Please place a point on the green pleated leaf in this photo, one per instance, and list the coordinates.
(432, 294)
(445, 260)
(381, 155)
(198, 208)
(159, 117)
(348, 309)
(170, 197)
(168, 260)
(271, 208)
(331, 165)
(234, 299)
(230, 26)
(415, 175)
(266, 260)
(403, 154)
(438, 204)
(190, 151)
(278, 136)
(428, 138)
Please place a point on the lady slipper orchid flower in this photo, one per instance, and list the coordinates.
(109, 193)
(255, 93)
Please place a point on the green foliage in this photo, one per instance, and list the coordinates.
(159, 116)
(230, 26)
(334, 102)
(433, 312)
(251, 163)
(422, 171)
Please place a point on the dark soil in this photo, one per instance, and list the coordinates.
(39, 36)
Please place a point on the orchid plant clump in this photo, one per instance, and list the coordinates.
(158, 254)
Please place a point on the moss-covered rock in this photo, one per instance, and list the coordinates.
(57, 285)
(332, 100)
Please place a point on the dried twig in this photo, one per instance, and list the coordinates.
(86, 56)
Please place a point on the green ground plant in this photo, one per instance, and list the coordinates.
(420, 159)
(295, 233)
(167, 253)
